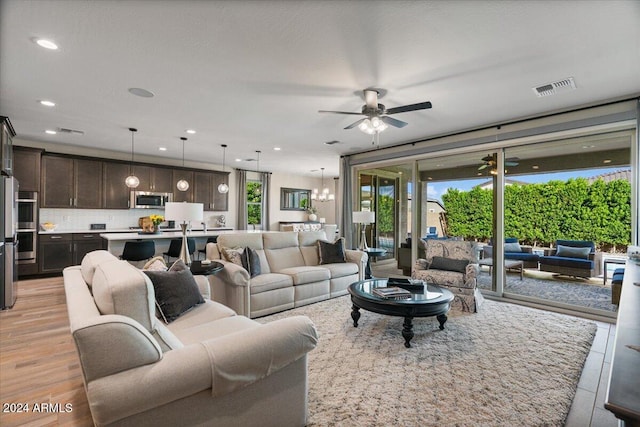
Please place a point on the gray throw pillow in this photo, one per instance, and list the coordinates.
(176, 291)
(512, 247)
(573, 252)
(331, 253)
(250, 261)
(449, 264)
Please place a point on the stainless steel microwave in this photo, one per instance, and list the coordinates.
(149, 200)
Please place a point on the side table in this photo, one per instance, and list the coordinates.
(197, 268)
(611, 261)
(372, 253)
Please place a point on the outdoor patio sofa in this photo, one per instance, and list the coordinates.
(451, 264)
(576, 258)
(514, 251)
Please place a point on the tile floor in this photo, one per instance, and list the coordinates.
(587, 409)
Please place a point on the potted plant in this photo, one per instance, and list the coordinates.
(312, 211)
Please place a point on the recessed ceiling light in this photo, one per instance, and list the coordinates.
(277, 148)
(141, 92)
(191, 131)
(47, 44)
(535, 167)
(606, 161)
(50, 132)
(238, 160)
(588, 146)
(47, 103)
(162, 148)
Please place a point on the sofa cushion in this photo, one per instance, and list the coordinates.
(233, 255)
(306, 274)
(341, 269)
(308, 243)
(512, 247)
(208, 312)
(449, 264)
(250, 261)
(443, 278)
(91, 261)
(331, 253)
(176, 291)
(203, 331)
(573, 252)
(156, 264)
(270, 281)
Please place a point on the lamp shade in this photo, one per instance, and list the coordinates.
(364, 217)
(177, 211)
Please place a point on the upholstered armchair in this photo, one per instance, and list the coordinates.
(576, 258)
(451, 264)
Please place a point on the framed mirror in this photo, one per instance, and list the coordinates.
(294, 199)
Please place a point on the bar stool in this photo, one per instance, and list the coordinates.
(176, 245)
(138, 250)
(212, 239)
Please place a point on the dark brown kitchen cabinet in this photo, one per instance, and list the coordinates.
(116, 193)
(56, 252)
(206, 190)
(26, 168)
(84, 243)
(154, 179)
(183, 196)
(71, 183)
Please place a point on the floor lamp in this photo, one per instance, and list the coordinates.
(363, 218)
(184, 212)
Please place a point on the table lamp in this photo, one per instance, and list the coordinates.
(184, 212)
(363, 218)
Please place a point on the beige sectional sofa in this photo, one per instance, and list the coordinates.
(291, 275)
(207, 367)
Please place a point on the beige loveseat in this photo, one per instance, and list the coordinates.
(290, 272)
(207, 367)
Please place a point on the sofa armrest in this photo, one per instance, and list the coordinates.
(113, 343)
(242, 358)
(231, 287)
(357, 257)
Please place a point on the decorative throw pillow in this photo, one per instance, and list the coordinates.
(233, 255)
(573, 252)
(155, 264)
(331, 253)
(512, 247)
(176, 291)
(250, 261)
(449, 264)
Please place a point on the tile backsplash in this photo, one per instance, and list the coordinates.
(81, 219)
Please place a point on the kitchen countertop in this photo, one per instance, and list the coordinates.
(127, 230)
(109, 236)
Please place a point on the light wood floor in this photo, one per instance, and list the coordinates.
(39, 364)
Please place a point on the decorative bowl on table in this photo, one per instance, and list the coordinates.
(48, 226)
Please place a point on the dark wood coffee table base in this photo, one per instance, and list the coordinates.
(407, 326)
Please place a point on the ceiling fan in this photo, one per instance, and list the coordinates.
(377, 115)
(490, 161)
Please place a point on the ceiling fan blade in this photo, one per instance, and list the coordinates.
(511, 164)
(339, 112)
(352, 125)
(393, 122)
(371, 98)
(406, 108)
(483, 167)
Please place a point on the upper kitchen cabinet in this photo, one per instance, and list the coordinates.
(206, 190)
(116, 193)
(6, 146)
(182, 196)
(154, 179)
(71, 183)
(26, 168)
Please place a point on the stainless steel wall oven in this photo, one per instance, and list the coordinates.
(27, 227)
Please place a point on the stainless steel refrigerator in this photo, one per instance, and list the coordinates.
(9, 217)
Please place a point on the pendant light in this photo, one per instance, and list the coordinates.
(132, 181)
(183, 184)
(223, 188)
(258, 190)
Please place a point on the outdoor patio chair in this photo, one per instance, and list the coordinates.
(577, 258)
(514, 251)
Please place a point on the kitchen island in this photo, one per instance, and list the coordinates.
(115, 241)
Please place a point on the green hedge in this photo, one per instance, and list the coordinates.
(538, 214)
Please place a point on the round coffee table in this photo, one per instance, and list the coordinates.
(426, 302)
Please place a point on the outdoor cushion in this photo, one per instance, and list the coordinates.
(573, 252)
(577, 244)
(618, 276)
(522, 256)
(584, 264)
(512, 247)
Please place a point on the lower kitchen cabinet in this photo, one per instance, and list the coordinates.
(58, 251)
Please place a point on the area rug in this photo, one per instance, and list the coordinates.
(507, 365)
(556, 289)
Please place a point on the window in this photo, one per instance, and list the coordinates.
(254, 204)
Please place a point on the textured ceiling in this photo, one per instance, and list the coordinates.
(252, 74)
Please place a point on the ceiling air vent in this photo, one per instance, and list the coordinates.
(554, 88)
(332, 142)
(71, 131)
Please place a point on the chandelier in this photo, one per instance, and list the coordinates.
(323, 196)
